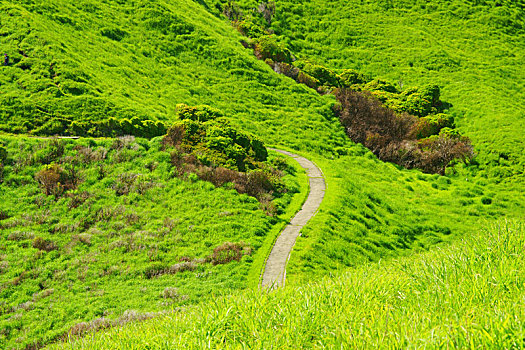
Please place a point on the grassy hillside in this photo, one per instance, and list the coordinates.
(90, 61)
(475, 53)
(466, 296)
(474, 50)
(98, 69)
(129, 238)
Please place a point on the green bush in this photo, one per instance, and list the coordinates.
(215, 141)
(268, 47)
(250, 29)
(433, 124)
(324, 75)
(381, 85)
(351, 77)
(197, 113)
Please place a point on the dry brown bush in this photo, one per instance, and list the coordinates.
(55, 180)
(44, 244)
(228, 252)
(174, 136)
(393, 137)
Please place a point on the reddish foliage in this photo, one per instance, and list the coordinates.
(393, 137)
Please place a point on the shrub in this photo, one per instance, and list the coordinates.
(197, 113)
(368, 122)
(439, 151)
(228, 252)
(250, 29)
(308, 80)
(268, 47)
(421, 101)
(433, 124)
(392, 137)
(380, 85)
(49, 180)
(55, 180)
(44, 244)
(324, 75)
(351, 77)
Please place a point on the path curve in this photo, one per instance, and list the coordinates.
(274, 274)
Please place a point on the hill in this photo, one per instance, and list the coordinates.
(467, 295)
(109, 69)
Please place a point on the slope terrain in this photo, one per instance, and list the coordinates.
(462, 296)
(102, 70)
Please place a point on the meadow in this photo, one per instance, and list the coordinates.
(130, 240)
(134, 241)
(469, 295)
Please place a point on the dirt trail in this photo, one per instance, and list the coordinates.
(274, 273)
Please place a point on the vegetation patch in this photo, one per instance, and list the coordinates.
(126, 230)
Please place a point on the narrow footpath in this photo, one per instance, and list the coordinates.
(274, 274)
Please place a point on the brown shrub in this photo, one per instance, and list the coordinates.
(368, 121)
(228, 252)
(44, 244)
(393, 137)
(55, 180)
(49, 180)
(174, 136)
(440, 151)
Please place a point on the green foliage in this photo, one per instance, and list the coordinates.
(127, 231)
(215, 142)
(324, 75)
(268, 47)
(380, 85)
(349, 77)
(248, 28)
(198, 113)
(433, 124)
(443, 298)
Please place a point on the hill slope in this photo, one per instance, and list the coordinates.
(84, 65)
(469, 295)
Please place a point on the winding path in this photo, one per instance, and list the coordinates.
(274, 274)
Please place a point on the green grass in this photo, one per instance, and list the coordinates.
(108, 244)
(469, 295)
(474, 51)
(87, 61)
(373, 210)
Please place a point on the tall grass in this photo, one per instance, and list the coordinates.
(132, 237)
(469, 295)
